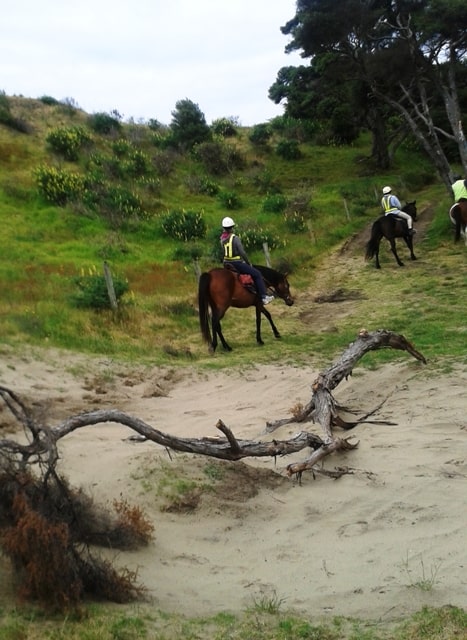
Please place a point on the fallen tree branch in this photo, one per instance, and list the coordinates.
(322, 406)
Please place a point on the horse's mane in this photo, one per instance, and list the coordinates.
(269, 274)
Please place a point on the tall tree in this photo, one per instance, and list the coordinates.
(402, 52)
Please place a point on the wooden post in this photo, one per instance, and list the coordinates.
(266, 254)
(110, 287)
(346, 209)
(197, 269)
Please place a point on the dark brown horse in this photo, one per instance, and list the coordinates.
(391, 227)
(458, 215)
(221, 288)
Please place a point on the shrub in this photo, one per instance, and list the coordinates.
(49, 100)
(295, 222)
(184, 225)
(67, 142)
(288, 150)
(275, 203)
(104, 123)
(92, 290)
(225, 127)
(230, 200)
(59, 186)
(254, 237)
(260, 134)
(197, 184)
(7, 118)
(212, 157)
(117, 202)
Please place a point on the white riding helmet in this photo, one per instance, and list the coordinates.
(386, 190)
(227, 223)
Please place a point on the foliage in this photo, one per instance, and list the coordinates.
(202, 184)
(68, 141)
(219, 158)
(260, 134)
(225, 127)
(254, 237)
(59, 186)
(105, 123)
(44, 529)
(49, 100)
(229, 199)
(275, 203)
(295, 222)
(184, 225)
(7, 118)
(288, 150)
(93, 293)
(188, 126)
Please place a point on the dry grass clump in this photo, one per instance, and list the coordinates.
(45, 529)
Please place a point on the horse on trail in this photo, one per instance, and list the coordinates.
(458, 215)
(391, 227)
(219, 289)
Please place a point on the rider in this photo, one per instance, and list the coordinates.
(235, 256)
(459, 189)
(392, 206)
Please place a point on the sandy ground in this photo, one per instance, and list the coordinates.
(377, 543)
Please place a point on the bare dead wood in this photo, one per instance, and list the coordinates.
(322, 407)
(42, 441)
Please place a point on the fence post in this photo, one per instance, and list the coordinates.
(266, 254)
(197, 269)
(110, 287)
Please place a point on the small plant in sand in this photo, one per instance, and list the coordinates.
(268, 602)
(427, 578)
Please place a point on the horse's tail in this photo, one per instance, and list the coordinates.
(373, 243)
(204, 302)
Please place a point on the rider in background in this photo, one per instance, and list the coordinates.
(392, 206)
(235, 256)
(459, 189)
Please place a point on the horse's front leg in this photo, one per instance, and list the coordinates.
(393, 249)
(409, 243)
(271, 322)
(259, 339)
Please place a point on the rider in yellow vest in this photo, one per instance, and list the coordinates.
(392, 206)
(459, 190)
(235, 256)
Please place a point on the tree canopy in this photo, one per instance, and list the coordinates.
(395, 66)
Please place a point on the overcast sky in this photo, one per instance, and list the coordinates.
(140, 57)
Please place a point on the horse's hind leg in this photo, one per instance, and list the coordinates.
(217, 331)
(393, 249)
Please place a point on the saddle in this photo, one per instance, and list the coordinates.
(244, 278)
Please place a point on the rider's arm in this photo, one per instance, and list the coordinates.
(239, 250)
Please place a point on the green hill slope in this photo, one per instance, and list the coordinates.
(134, 192)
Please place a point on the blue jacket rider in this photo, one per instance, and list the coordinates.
(235, 256)
(392, 206)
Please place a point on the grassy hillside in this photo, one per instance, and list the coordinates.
(305, 208)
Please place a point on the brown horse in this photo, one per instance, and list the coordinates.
(221, 288)
(458, 215)
(391, 227)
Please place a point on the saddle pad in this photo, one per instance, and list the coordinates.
(245, 279)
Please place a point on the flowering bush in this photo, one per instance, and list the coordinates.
(59, 186)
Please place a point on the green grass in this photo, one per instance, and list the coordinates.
(266, 619)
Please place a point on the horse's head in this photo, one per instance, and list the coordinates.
(411, 209)
(282, 290)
